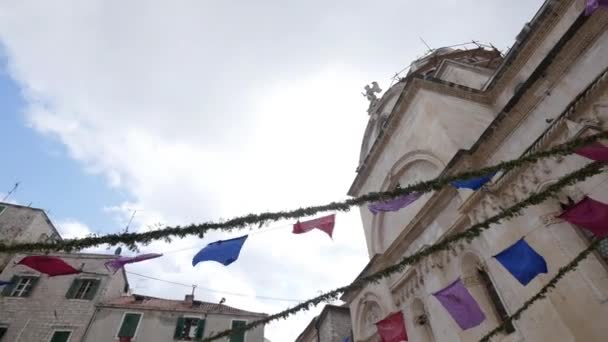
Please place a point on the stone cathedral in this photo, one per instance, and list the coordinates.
(467, 107)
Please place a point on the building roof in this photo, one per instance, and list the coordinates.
(141, 302)
(321, 317)
(22, 207)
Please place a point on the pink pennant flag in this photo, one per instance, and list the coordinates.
(589, 214)
(325, 223)
(392, 328)
(118, 263)
(595, 151)
(49, 265)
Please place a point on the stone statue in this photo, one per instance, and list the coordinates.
(370, 92)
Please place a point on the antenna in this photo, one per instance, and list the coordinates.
(427, 45)
(11, 191)
(130, 220)
(193, 288)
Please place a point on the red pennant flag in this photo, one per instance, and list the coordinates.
(50, 265)
(595, 151)
(325, 223)
(589, 214)
(392, 328)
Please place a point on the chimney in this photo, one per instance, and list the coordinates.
(189, 299)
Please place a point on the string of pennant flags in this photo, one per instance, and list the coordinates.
(446, 244)
(587, 146)
(520, 259)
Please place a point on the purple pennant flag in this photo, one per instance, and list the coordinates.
(461, 305)
(592, 5)
(118, 263)
(394, 204)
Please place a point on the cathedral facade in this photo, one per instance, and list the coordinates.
(464, 108)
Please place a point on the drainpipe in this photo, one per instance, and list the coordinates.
(86, 330)
(317, 329)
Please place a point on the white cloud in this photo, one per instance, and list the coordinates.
(206, 111)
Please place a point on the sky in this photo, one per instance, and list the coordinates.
(193, 111)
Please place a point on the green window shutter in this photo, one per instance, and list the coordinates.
(129, 325)
(73, 288)
(238, 336)
(61, 336)
(94, 286)
(200, 329)
(9, 288)
(33, 282)
(179, 328)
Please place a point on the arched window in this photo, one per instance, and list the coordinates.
(477, 279)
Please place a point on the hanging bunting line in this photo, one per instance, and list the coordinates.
(542, 293)
(49, 265)
(461, 305)
(130, 239)
(223, 251)
(120, 262)
(522, 261)
(468, 235)
(325, 224)
(589, 214)
(392, 328)
(394, 204)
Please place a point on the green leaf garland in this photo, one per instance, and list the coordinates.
(131, 239)
(467, 235)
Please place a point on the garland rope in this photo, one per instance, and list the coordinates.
(468, 235)
(571, 266)
(130, 239)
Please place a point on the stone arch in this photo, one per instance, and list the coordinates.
(478, 281)
(369, 311)
(421, 321)
(413, 166)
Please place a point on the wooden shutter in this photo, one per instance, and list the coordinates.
(129, 325)
(238, 336)
(73, 288)
(200, 329)
(179, 328)
(33, 282)
(9, 288)
(94, 286)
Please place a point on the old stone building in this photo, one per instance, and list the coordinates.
(333, 324)
(143, 318)
(23, 224)
(466, 108)
(36, 307)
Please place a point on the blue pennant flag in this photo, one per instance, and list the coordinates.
(472, 183)
(3, 283)
(522, 261)
(223, 251)
(346, 339)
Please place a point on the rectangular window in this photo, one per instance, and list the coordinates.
(238, 336)
(21, 286)
(189, 329)
(83, 289)
(2, 332)
(61, 336)
(2, 207)
(128, 328)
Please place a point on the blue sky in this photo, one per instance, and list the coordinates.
(49, 178)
